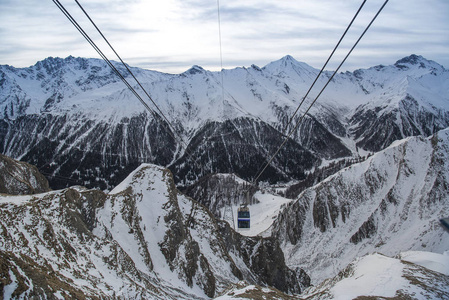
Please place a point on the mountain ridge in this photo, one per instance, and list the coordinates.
(60, 109)
(389, 203)
(53, 67)
(142, 240)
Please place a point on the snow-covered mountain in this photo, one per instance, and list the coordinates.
(390, 203)
(78, 123)
(142, 240)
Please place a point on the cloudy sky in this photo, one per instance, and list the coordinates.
(172, 35)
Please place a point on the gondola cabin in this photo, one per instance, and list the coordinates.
(243, 217)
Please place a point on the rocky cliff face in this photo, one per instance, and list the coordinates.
(142, 240)
(20, 178)
(389, 203)
(236, 146)
(263, 260)
(74, 150)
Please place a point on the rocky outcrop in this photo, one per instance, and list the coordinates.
(262, 261)
(22, 277)
(20, 178)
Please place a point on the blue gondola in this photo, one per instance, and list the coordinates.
(243, 217)
(445, 223)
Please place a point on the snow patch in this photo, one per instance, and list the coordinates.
(432, 261)
(374, 275)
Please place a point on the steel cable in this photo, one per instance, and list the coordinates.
(313, 102)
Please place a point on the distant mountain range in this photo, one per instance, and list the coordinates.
(78, 123)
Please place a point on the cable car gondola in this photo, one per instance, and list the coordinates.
(243, 217)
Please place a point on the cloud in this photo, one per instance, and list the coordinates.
(164, 34)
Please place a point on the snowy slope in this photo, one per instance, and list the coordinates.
(379, 276)
(263, 212)
(70, 85)
(373, 276)
(223, 194)
(242, 290)
(390, 203)
(143, 240)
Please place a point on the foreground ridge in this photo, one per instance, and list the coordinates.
(141, 240)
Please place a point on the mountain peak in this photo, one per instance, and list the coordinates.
(195, 69)
(288, 59)
(414, 61)
(52, 64)
(288, 62)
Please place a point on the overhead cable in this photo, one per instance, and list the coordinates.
(92, 43)
(324, 66)
(126, 66)
(221, 54)
(316, 98)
